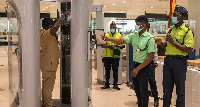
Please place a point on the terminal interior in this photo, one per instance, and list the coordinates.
(80, 74)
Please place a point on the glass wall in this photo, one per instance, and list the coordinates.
(126, 26)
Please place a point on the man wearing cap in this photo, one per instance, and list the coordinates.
(179, 42)
(143, 53)
(112, 56)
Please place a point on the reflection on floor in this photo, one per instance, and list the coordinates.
(100, 98)
(114, 98)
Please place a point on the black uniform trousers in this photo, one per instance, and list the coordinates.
(108, 63)
(152, 81)
(140, 83)
(174, 72)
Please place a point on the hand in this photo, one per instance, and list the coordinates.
(169, 39)
(59, 18)
(158, 41)
(135, 72)
(111, 47)
(105, 38)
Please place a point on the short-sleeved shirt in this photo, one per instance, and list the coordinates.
(146, 40)
(107, 51)
(178, 34)
(49, 51)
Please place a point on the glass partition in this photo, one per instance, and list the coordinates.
(14, 56)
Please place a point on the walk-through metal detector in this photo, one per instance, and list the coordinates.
(24, 54)
(65, 60)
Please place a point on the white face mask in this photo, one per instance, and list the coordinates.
(112, 30)
(137, 28)
(174, 20)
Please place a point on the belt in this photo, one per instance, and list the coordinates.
(176, 56)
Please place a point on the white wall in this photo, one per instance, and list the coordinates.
(194, 21)
(107, 22)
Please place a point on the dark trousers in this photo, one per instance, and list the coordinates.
(140, 83)
(174, 72)
(152, 81)
(114, 63)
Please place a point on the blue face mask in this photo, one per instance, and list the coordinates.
(112, 30)
(174, 20)
(137, 28)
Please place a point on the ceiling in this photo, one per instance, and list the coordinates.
(45, 7)
(138, 7)
(131, 7)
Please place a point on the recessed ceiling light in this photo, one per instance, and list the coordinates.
(104, 6)
(47, 7)
(51, 5)
(138, 9)
(113, 4)
(121, 12)
(43, 9)
(124, 1)
(152, 7)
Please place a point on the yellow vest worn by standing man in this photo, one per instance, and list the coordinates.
(107, 51)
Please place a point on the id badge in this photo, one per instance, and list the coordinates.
(138, 51)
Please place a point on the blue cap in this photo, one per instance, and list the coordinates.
(180, 9)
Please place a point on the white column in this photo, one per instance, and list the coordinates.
(194, 23)
(99, 50)
(79, 73)
(100, 18)
(29, 14)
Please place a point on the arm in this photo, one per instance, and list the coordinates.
(177, 45)
(144, 64)
(162, 44)
(115, 41)
(55, 27)
(108, 46)
(182, 47)
(146, 61)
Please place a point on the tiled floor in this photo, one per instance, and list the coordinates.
(100, 98)
(4, 82)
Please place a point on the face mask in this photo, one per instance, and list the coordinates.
(137, 28)
(174, 20)
(112, 30)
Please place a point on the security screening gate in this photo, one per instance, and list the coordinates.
(25, 87)
(24, 54)
(65, 61)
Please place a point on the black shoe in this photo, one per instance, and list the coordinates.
(116, 87)
(105, 87)
(156, 103)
